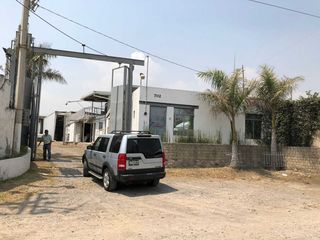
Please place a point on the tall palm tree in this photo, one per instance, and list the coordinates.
(47, 72)
(230, 95)
(271, 91)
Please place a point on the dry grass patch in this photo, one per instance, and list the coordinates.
(233, 174)
(40, 175)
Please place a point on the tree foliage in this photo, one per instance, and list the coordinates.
(271, 92)
(48, 73)
(297, 121)
(230, 95)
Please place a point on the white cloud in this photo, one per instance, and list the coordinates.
(250, 73)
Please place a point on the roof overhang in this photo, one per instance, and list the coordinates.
(97, 96)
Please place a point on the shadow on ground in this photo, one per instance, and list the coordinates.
(58, 157)
(139, 189)
(34, 174)
(36, 204)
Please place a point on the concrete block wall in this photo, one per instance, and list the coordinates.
(197, 155)
(209, 155)
(306, 159)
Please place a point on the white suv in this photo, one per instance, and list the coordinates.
(125, 157)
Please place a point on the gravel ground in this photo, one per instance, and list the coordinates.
(54, 201)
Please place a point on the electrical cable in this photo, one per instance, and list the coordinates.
(62, 32)
(284, 8)
(118, 41)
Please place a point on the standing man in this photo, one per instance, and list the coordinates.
(47, 140)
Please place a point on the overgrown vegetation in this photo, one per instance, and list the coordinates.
(271, 92)
(297, 121)
(197, 137)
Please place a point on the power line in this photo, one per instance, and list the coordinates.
(287, 9)
(62, 32)
(118, 41)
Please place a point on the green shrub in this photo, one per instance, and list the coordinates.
(297, 121)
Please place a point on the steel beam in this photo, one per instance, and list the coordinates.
(91, 56)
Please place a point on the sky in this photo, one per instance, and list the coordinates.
(203, 34)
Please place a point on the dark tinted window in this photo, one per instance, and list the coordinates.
(115, 144)
(103, 144)
(253, 126)
(183, 121)
(96, 144)
(150, 147)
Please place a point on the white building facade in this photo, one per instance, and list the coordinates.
(174, 114)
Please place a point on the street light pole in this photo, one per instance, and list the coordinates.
(21, 76)
(147, 78)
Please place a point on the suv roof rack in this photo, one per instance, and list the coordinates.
(131, 131)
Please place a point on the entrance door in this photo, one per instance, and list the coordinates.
(158, 117)
(58, 133)
(87, 135)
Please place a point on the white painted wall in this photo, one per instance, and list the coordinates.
(136, 110)
(74, 132)
(170, 123)
(70, 132)
(97, 131)
(49, 123)
(211, 124)
(6, 119)
(14, 167)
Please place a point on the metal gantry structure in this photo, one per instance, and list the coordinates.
(127, 88)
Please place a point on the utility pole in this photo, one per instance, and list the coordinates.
(147, 79)
(242, 78)
(21, 76)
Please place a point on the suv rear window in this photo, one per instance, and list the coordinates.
(115, 144)
(149, 147)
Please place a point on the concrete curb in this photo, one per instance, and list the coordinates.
(14, 167)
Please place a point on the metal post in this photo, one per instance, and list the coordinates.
(242, 78)
(21, 76)
(32, 135)
(129, 99)
(116, 114)
(125, 106)
(37, 109)
(147, 79)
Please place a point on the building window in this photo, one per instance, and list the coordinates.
(100, 125)
(183, 121)
(253, 126)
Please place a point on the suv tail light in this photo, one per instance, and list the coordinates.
(122, 161)
(164, 160)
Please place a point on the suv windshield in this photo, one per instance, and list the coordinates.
(149, 147)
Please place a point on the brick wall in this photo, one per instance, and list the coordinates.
(209, 155)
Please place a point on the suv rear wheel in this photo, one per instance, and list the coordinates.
(153, 182)
(109, 183)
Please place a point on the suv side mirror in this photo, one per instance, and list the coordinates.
(89, 147)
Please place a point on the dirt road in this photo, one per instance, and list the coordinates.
(56, 202)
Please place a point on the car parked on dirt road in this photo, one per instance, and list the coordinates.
(125, 157)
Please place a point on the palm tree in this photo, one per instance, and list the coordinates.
(230, 95)
(271, 91)
(47, 73)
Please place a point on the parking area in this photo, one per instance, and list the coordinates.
(54, 201)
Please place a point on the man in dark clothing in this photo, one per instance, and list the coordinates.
(47, 140)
